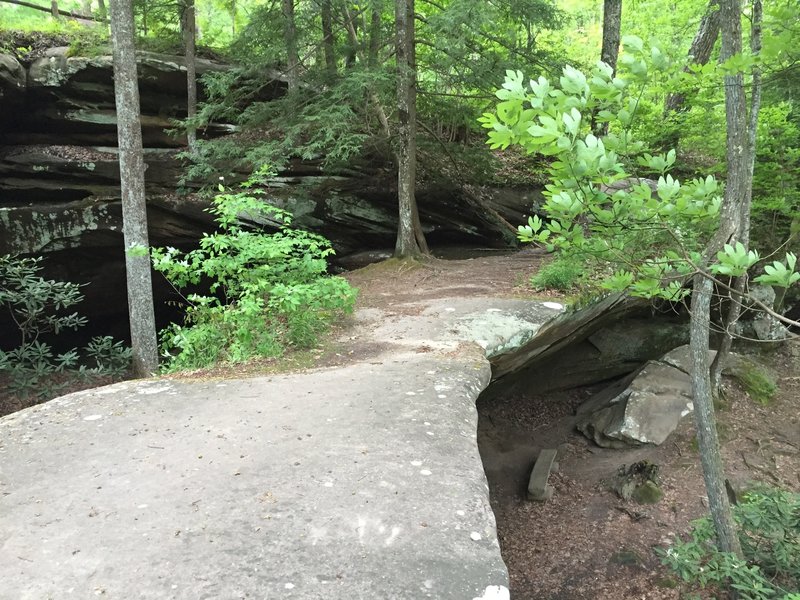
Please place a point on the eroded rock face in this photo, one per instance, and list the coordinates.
(71, 98)
(59, 178)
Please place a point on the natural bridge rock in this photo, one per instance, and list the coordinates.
(361, 481)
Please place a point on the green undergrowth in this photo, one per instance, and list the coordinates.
(768, 521)
(42, 311)
(562, 274)
(269, 291)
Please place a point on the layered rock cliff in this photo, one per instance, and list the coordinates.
(59, 177)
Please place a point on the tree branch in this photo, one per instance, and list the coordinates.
(47, 9)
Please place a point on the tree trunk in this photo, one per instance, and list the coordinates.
(101, 6)
(188, 33)
(290, 39)
(705, 420)
(328, 40)
(612, 24)
(54, 9)
(743, 233)
(700, 50)
(730, 220)
(352, 38)
(134, 210)
(375, 33)
(410, 238)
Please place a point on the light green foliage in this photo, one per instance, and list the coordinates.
(780, 274)
(87, 41)
(39, 307)
(268, 291)
(649, 237)
(776, 184)
(769, 531)
(734, 261)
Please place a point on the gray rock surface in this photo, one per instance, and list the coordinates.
(643, 408)
(756, 325)
(362, 481)
(12, 77)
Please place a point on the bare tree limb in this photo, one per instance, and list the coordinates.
(48, 9)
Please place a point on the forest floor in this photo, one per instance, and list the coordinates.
(585, 543)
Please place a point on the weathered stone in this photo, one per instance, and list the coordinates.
(538, 488)
(370, 487)
(587, 346)
(645, 411)
(12, 77)
(644, 407)
(757, 325)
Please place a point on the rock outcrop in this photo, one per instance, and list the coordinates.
(59, 177)
(602, 341)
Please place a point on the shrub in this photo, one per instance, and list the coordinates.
(39, 307)
(268, 291)
(769, 531)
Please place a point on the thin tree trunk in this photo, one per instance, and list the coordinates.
(188, 31)
(101, 5)
(134, 210)
(743, 233)
(700, 50)
(730, 218)
(375, 33)
(290, 39)
(410, 238)
(612, 24)
(54, 9)
(328, 40)
(352, 38)
(705, 420)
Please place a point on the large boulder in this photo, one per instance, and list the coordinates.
(12, 78)
(757, 325)
(598, 342)
(644, 407)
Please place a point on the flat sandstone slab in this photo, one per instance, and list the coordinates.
(362, 481)
(358, 482)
